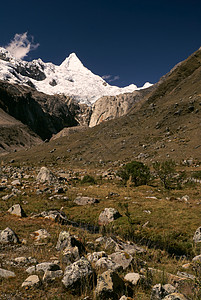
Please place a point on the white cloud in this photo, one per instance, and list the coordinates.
(106, 76)
(20, 46)
(111, 78)
(114, 78)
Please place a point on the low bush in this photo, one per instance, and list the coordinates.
(88, 179)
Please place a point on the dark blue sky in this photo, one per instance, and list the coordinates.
(136, 40)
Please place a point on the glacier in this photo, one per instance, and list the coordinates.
(70, 78)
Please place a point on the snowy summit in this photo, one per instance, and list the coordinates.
(70, 78)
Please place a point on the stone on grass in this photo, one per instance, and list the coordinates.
(95, 256)
(108, 215)
(85, 200)
(16, 182)
(70, 255)
(31, 281)
(160, 291)
(175, 296)
(50, 276)
(197, 235)
(66, 240)
(197, 258)
(109, 286)
(121, 258)
(45, 266)
(17, 210)
(40, 235)
(105, 263)
(45, 175)
(8, 236)
(77, 275)
(133, 278)
(6, 274)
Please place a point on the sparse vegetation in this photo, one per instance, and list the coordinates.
(135, 172)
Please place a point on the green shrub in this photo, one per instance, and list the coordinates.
(196, 175)
(165, 171)
(88, 179)
(136, 172)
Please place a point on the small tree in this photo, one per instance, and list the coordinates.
(166, 172)
(135, 171)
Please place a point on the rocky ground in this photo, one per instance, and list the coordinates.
(62, 237)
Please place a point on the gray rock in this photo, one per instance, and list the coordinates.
(31, 281)
(160, 291)
(25, 260)
(133, 278)
(109, 286)
(197, 258)
(70, 255)
(85, 200)
(76, 274)
(66, 240)
(6, 197)
(121, 258)
(16, 182)
(118, 245)
(95, 256)
(105, 263)
(45, 175)
(50, 276)
(6, 274)
(17, 210)
(8, 236)
(45, 266)
(197, 235)
(108, 215)
(175, 296)
(41, 235)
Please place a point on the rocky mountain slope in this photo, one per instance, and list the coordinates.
(166, 124)
(14, 135)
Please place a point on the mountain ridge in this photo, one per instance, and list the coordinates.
(71, 78)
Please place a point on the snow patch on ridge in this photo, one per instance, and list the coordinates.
(70, 78)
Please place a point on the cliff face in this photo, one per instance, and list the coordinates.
(107, 108)
(44, 114)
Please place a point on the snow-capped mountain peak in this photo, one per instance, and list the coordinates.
(71, 78)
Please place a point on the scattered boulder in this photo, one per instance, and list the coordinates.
(114, 244)
(40, 235)
(45, 175)
(95, 256)
(105, 263)
(121, 258)
(197, 258)
(66, 240)
(16, 182)
(85, 200)
(133, 278)
(108, 215)
(6, 274)
(160, 291)
(109, 286)
(45, 266)
(175, 296)
(17, 210)
(197, 235)
(50, 276)
(70, 255)
(31, 281)
(77, 274)
(8, 236)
